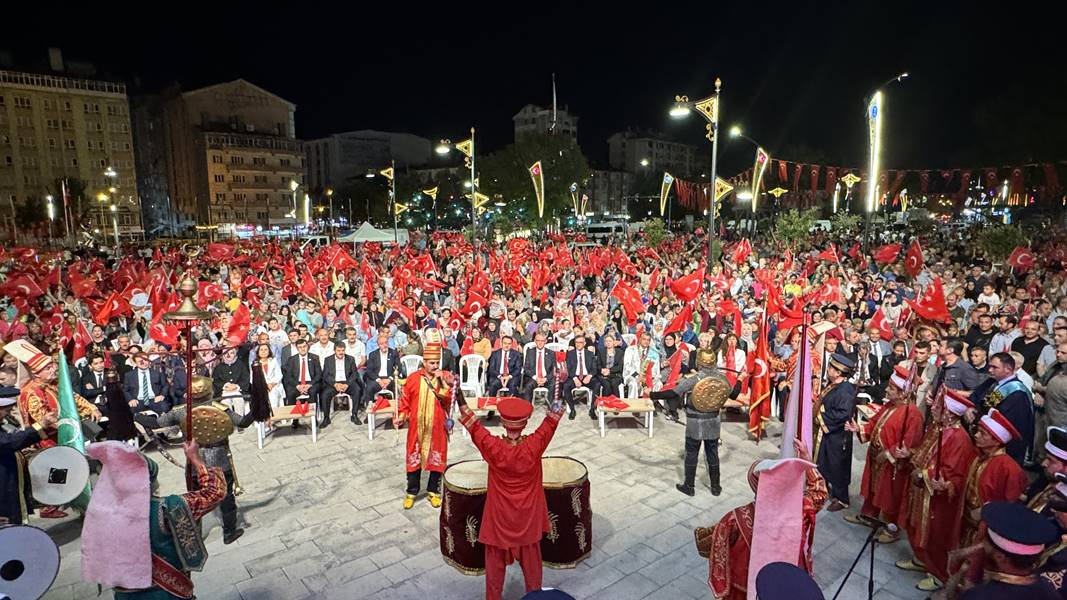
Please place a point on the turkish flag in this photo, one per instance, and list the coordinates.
(21, 285)
(830, 254)
(885, 330)
(687, 288)
(309, 287)
(742, 251)
(830, 292)
(887, 254)
(481, 285)
(653, 280)
(82, 340)
(854, 251)
(631, 299)
(475, 303)
(1021, 258)
(114, 306)
(240, 323)
(162, 331)
(208, 292)
(931, 305)
(759, 386)
(429, 285)
(913, 260)
(680, 320)
(82, 285)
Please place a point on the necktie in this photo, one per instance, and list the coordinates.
(303, 370)
(99, 381)
(578, 355)
(504, 359)
(144, 386)
(540, 364)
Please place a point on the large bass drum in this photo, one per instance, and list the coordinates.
(58, 475)
(29, 562)
(570, 516)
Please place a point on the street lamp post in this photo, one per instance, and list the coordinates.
(51, 207)
(466, 147)
(758, 168)
(115, 225)
(329, 195)
(875, 115)
(709, 108)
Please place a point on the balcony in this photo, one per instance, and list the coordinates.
(258, 185)
(247, 167)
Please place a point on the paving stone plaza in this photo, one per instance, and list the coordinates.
(324, 520)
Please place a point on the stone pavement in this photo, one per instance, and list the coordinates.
(325, 521)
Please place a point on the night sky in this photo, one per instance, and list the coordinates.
(985, 87)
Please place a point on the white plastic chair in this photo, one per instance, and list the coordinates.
(472, 372)
(410, 363)
(556, 346)
(629, 338)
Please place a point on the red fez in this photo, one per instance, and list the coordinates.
(514, 412)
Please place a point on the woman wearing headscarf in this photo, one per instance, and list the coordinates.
(678, 373)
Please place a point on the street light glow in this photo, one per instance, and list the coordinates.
(680, 110)
(735, 131)
(293, 185)
(644, 162)
(443, 148)
(744, 195)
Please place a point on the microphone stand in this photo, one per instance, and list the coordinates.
(872, 541)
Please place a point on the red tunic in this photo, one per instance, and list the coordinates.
(933, 520)
(731, 542)
(515, 510)
(885, 479)
(427, 443)
(996, 478)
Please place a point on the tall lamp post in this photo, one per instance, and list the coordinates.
(763, 159)
(709, 109)
(875, 116)
(115, 225)
(329, 196)
(51, 207)
(466, 148)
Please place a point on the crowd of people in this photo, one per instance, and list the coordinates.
(951, 367)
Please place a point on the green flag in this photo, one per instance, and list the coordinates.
(70, 426)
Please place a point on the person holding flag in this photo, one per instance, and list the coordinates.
(14, 487)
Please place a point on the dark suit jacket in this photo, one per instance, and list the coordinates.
(1017, 407)
(89, 378)
(291, 375)
(496, 365)
(287, 352)
(588, 358)
(529, 367)
(131, 385)
(237, 373)
(616, 367)
(329, 373)
(374, 364)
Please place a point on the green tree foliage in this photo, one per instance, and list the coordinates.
(505, 174)
(30, 212)
(655, 232)
(842, 222)
(999, 240)
(793, 227)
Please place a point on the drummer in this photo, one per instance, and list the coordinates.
(14, 486)
(516, 513)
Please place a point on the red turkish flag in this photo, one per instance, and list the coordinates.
(309, 287)
(830, 254)
(854, 251)
(931, 305)
(631, 299)
(21, 285)
(680, 320)
(742, 251)
(885, 330)
(475, 303)
(1021, 258)
(114, 306)
(208, 292)
(687, 288)
(913, 260)
(830, 292)
(653, 280)
(161, 331)
(82, 340)
(759, 386)
(240, 323)
(887, 254)
(82, 285)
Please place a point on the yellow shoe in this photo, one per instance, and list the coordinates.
(888, 538)
(435, 499)
(929, 584)
(912, 564)
(409, 501)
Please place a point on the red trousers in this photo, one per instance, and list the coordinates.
(496, 564)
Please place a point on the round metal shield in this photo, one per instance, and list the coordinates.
(29, 562)
(210, 425)
(711, 393)
(58, 475)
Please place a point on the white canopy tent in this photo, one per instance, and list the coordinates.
(369, 233)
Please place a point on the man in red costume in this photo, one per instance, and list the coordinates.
(936, 493)
(40, 395)
(893, 432)
(728, 544)
(426, 402)
(994, 477)
(516, 514)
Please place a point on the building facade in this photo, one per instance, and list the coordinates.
(333, 161)
(233, 159)
(608, 191)
(535, 119)
(640, 152)
(150, 158)
(54, 127)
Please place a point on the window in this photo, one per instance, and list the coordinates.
(52, 123)
(28, 142)
(259, 161)
(22, 102)
(65, 124)
(54, 161)
(73, 162)
(98, 126)
(49, 105)
(220, 198)
(237, 160)
(66, 106)
(111, 110)
(103, 163)
(216, 158)
(238, 178)
(261, 197)
(1, 100)
(285, 162)
(261, 179)
(29, 161)
(52, 143)
(24, 122)
(220, 178)
(9, 161)
(68, 144)
(261, 216)
(240, 197)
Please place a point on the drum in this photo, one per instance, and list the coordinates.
(29, 562)
(569, 539)
(58, 475)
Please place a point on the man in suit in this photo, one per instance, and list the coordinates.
(1013, 399)
(505, 368)
(339, 376)
(609, 369)
(91, 382)
(581, 371)
(301, 375)
(289, 350)
(231, 380)
(539, 368)
(382, 365)
(146, 389)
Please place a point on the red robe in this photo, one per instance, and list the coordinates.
(37, 398)
(427, 443)
(731, 542)
(516, 513)
(933, 520)
(885, 479)
(995, 478)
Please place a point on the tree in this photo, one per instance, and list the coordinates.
(655, 232)
(794, 226)
(505, 174)
(843, 222)
(30, 212)
(998, 241)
